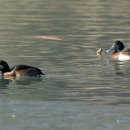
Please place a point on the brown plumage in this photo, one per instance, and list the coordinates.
(19, 70)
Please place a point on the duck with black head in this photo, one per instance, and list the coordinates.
(119, 51)
(19, 70)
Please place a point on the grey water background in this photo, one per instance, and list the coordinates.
(80, 91)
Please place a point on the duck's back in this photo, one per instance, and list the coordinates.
(26, 70)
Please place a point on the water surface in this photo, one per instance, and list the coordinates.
(79, 87)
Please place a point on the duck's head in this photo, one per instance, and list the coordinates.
(4, 67)
(116, 47)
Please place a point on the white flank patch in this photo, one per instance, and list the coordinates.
(123, 57)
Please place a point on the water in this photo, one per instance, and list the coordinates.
(80, 90)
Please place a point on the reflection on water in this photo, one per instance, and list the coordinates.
(23, 80)
(4, 83)
(74, 73)
(121, 68)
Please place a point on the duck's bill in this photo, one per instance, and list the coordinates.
(110, 49)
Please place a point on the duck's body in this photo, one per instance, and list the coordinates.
(19, 70)
(119, 51)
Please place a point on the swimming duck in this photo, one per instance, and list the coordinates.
(18, 70)
(119, 51)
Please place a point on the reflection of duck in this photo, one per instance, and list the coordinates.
(120, 68)
(119, 53)
(9, 81)
(4, 83)
(19, 70)
(24, 80)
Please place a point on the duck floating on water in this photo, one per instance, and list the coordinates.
(119, 51)
(18, 70)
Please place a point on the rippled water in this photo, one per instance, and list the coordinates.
(80, 89)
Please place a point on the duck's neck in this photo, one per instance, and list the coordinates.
(6, 69)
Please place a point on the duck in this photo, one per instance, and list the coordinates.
(18, 70)
(119, 53)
